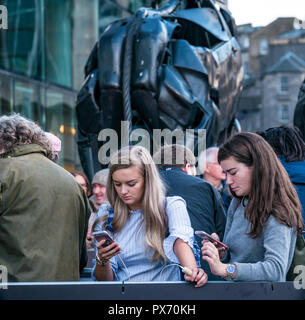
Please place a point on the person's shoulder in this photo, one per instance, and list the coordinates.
(173, 201)
(202, 183)
(204, 187)
(196, 182)
(273, 224)
(103, 210)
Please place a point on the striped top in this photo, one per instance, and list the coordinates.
(134, 251)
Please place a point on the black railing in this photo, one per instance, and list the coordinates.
(151, 291)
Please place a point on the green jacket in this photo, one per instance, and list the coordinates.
(43, 218)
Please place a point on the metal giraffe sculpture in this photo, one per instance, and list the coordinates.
(162, 68)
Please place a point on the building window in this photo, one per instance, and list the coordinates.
(284, 113)
(38, 41)
(51, 106)
(245, 42)
(6, 101)
(21, 45)
(284, 84)
(263, 46)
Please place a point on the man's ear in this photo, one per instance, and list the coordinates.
(186, 168)
(207, 167)
(189, 169)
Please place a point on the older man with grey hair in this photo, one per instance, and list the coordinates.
(212, 172)
(43, 210)
(210, 168)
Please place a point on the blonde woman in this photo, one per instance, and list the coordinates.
(150, 231)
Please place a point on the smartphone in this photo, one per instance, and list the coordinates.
(100, 235)
(204, 235)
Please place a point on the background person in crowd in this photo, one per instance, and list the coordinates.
(210, 168)
(264, 217)
(83, 181)
(150, 230)
(55, 144)
(177, 169)
(99, 196)
(212, 172)
(289, 146)
(43, 213)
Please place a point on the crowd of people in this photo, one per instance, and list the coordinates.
(248, 194)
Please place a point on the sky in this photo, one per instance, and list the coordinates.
(262, 12)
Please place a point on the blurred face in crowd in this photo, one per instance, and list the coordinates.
(238, 175)
(214, 169)
(82, 183)
(99, 192)
(129, 185)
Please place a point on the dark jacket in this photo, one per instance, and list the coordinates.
(296, 172)
(43, 218)
(203, 204)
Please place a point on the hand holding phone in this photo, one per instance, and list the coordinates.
(203, 235)
(109, 248)
(100, 235)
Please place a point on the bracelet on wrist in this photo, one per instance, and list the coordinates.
(101, 262)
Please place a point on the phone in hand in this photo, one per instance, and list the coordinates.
(203, 235)
(100, 235)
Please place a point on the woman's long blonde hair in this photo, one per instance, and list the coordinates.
(153, 202)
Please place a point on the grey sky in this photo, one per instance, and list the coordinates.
(262, 12)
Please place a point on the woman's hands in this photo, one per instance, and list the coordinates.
(106, 253)
(186, 258)
(211, 254)
(221, 250)
(103, 271)
(198, 276)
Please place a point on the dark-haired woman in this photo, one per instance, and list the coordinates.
(264, 217)
(82, 179)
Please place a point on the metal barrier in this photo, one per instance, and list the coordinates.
(84, 290)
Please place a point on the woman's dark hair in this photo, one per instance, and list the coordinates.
(286, 142)
(272, 192)
(79, 173)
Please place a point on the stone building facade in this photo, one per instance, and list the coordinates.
(274, 62)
